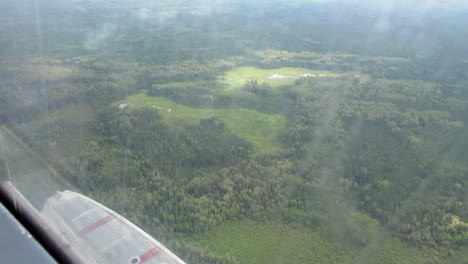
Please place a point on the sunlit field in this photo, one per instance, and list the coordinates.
(260, 129)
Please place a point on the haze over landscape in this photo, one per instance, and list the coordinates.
(247, 131)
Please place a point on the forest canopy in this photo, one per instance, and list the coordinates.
(251, 127)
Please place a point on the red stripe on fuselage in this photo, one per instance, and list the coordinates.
(96, 224)
(149, 254)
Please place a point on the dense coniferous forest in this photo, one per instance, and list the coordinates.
(240, 132)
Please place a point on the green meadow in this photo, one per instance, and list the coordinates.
(260, 129)
(236, 78)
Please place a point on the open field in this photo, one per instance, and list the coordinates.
(261, 129)
(237, 78)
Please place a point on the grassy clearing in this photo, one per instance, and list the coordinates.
(253, 242)
(236, 78)
(259, 128)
